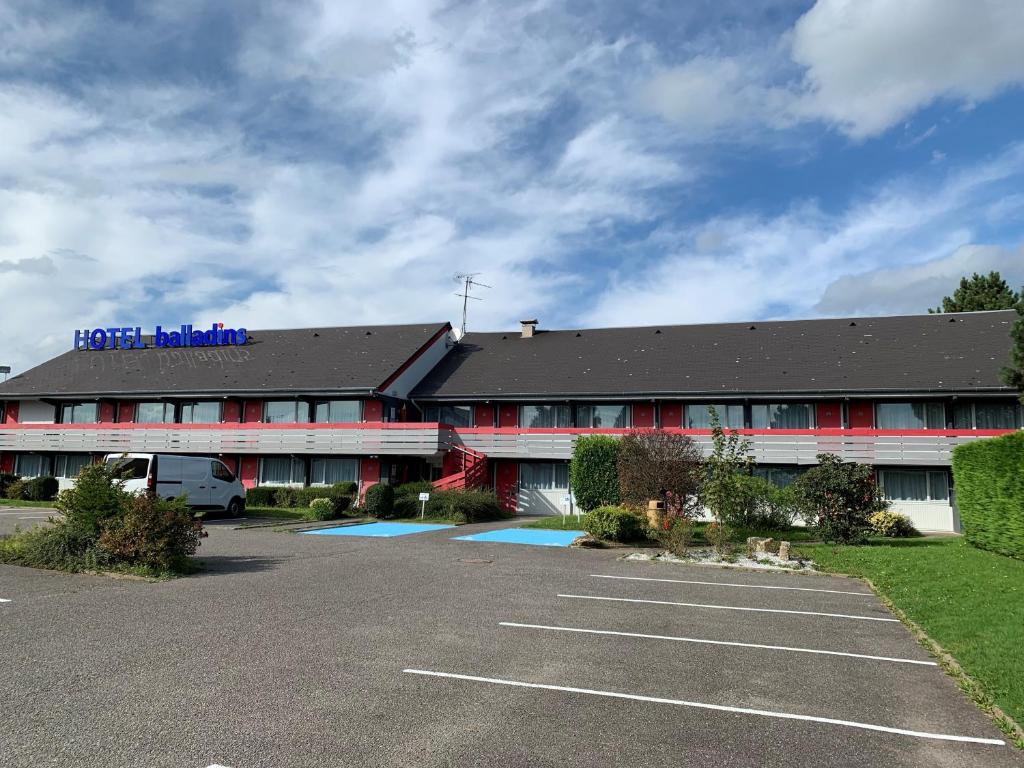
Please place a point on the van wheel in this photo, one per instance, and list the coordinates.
(235, 507)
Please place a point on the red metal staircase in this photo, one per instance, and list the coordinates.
(472, 474)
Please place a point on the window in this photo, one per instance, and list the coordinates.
(201, 413)
(456, 415)
(543, 416)
(544, 477)
(914, 484)
(220, 472)
(338, 411)
(697, 416)
(154, 413)
(605, 416)
(910, 416)
(986, 416)
(68, 465)
(779, 476)
(285, 412)
(331, 471)
(282, 470)
(79, 413)
(32, 465)
(782, 416)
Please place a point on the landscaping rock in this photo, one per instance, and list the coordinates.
(756, 544)
(784, 550)
(587, 542)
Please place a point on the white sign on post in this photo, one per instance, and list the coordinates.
(424, 498)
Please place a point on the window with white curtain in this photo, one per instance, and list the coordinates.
(32, 465)
(455, 415)
(338, 411)
(282, 470)
(154, 413)
(544, 416)
(782, 416)
(914, 484)
(79, 413)
(986, 416)
(208, 412)
(910, 416)
(285, 412)
(698, 417)
(331, 471)
(603, 416)
(544, 476)
(68, 465)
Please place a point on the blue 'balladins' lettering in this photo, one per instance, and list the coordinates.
(130, 337)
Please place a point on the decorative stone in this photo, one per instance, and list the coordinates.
(757, 544)
(587, 542)
(784, 550)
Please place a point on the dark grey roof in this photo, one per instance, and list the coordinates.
(943, 353)
(313, 360)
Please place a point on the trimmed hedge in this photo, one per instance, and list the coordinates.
(270, 496)
(614, 524)
(259, 497)
(594, 471)
(988, 475)
(31, 488)
(379, 500)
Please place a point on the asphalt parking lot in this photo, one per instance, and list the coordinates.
(293, 650)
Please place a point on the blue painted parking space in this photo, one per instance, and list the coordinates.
(536, 536)
(379, 530)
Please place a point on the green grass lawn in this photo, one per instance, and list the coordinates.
(555, 523)
(971, 602)
(26, 504)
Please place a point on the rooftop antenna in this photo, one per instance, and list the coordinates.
(467, 284)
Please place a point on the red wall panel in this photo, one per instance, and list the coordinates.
(126, 412)
(508, 415)
(671, 415)
(105, 412)
(232, 411)
(231, 462)
(369, 474)
(373, 410)
(643, 415)
(829, 415)
(7, 463)
(506, 477)
(451, 463)
(249, 471)
(11, 413)
(862, 415)
(253, 410)
(483, 416)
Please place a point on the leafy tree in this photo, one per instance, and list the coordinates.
(979, 293)
(593, 472)
(655, 464)
(1013, 374)
(839, 498)
(730, 460)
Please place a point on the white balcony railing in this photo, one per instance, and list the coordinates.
(350, 439)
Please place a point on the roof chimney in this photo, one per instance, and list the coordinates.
(529, 328)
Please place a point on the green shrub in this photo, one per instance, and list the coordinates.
(892, 524)
(261, 496)
(285, 496)
(838, 498)
(755, 502)
(413, 489)
(989, 479)
(152, 533)
(466, 506)
(719, 536)
(593, 471)
(321, 509)
(614, 524)
(5, 480)
(40, 489)
(16, 489)
(676, 534)
(380, 500)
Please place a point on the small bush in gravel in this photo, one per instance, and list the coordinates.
(892, 524)
(321, 509)
(676, 534)
(614, 524)
(719, 536)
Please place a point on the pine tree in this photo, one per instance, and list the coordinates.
(979, 293)
(1013, 374)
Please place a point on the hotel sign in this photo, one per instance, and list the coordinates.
(182, 336)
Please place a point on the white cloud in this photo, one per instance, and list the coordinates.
(860, 65)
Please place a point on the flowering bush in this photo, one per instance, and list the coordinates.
(892, 524)
(839, 498)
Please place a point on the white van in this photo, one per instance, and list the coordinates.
(206, 483)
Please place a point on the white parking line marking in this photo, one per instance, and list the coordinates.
(4, 600)
(702, 705)
(717, 642)
(730, 607)
(727, 584)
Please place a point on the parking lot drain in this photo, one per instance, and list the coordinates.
(536, 536)
(714, 707)
(379, 530)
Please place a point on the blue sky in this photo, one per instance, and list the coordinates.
(283, 164)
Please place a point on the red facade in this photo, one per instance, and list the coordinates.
(829, 415)
(862, 415)
(373, 410)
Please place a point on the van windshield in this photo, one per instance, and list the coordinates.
(129, 469)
